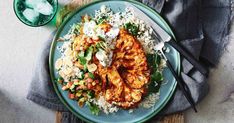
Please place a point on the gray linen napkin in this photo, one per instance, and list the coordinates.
(200, 26)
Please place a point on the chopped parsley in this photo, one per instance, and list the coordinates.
(102, 19)
(82, 60)
(89, 53)
(91, 75)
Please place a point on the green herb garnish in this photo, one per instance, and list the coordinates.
(85, 68)
(154, 61)
(101, 45)
(77, 28)
(98, 45)
(60, 79)
(90, 94)
(102, 19)
(72, 87)
(81, 82)
(156, 77)
(101, 38)
(81, 54)
(93, 108)
(89, 53)
(91, 75)
(82, 60)
(132, 28)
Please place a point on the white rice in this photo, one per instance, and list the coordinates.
(104, 105)
(150, 100)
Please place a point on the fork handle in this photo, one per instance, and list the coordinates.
(189, 57)
(182, 86)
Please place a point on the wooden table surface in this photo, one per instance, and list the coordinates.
(174, 118)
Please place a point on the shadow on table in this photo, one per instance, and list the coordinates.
(10, 111)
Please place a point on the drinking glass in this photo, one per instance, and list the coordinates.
(35, 12)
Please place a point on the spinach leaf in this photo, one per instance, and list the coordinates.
(93, 108)
(156, 77)
(153, 61)
(132, 28)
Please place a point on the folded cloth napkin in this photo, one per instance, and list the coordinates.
(200, 26)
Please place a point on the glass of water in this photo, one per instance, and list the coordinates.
(35, 12)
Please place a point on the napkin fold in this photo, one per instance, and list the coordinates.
(202, 27)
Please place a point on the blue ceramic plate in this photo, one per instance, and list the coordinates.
(123, 116)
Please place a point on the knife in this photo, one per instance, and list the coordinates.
(165, 37)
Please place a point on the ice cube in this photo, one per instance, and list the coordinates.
(31, 15)
(44, 8)
(33, 3)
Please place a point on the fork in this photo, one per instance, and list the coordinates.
(183, 86)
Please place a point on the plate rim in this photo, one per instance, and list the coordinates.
(52, 49)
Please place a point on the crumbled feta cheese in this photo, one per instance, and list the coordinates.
(77, 72)
(101, 33)
(113, 33)
(89, 28)
(102, 57)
